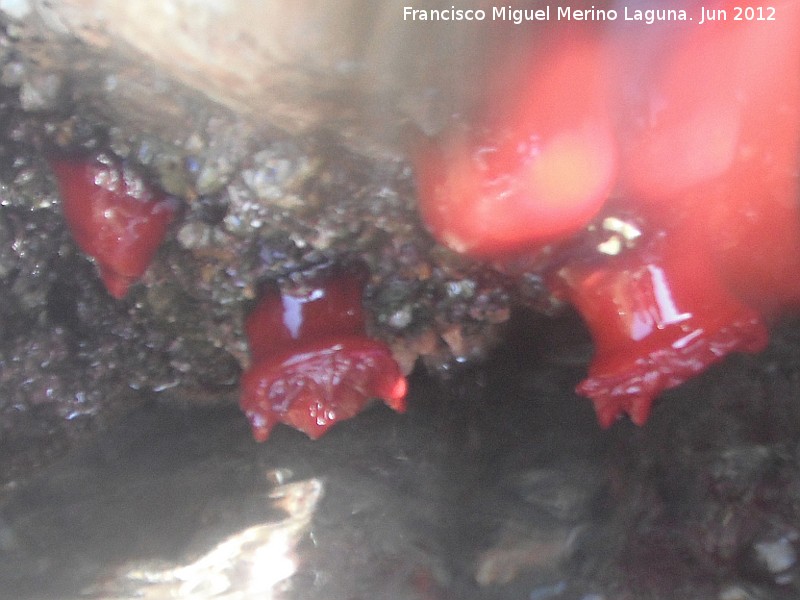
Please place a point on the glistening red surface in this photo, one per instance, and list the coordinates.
(694, 129)
(313, 363)
(493, 188)
(114, 217)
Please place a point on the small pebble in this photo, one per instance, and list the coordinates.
(776, 556)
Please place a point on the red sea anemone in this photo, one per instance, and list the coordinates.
(114, 216)
(496, 188)
(313, 364)
(658, 316)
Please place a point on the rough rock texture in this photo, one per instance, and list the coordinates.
(255, 207)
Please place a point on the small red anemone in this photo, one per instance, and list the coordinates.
(114, 217)
(313, 364)
(658, 316)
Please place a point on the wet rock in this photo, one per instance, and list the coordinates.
(515, 554)
(776, 556)
(194, 235)
(567, 492)
(773, 558)
(40, 92)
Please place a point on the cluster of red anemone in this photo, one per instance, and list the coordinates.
(696, 132)
(701, 143)
(312, 361)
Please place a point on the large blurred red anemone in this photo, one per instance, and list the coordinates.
(496, 189)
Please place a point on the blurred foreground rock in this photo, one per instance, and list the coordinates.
(497, 485)
(354, 66)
